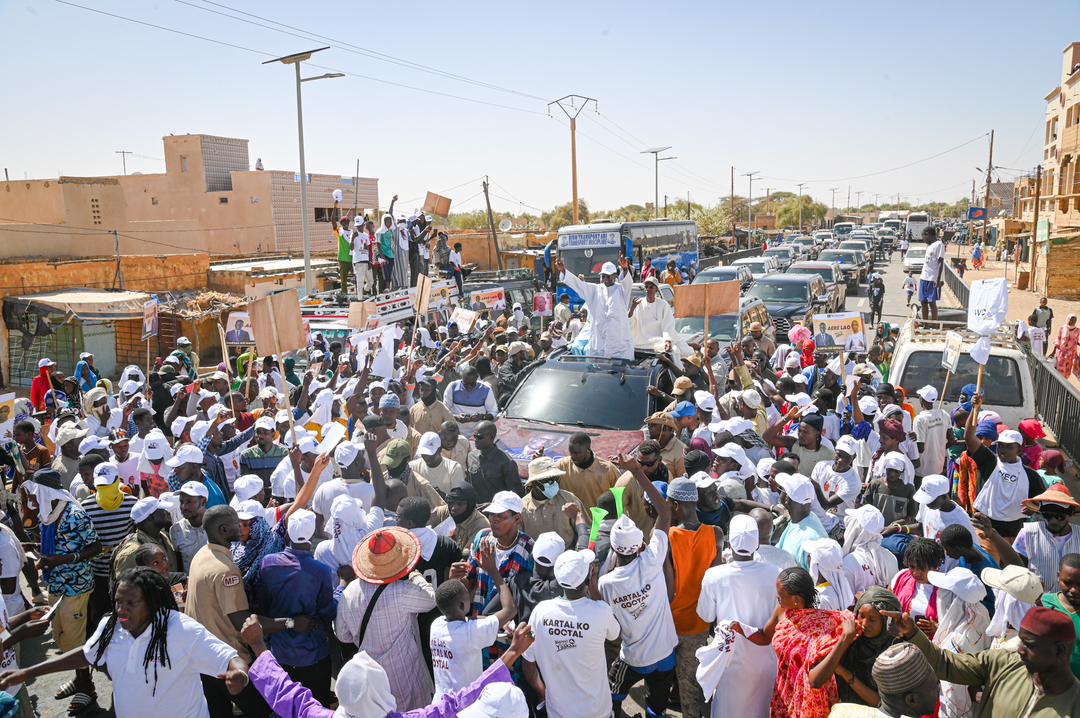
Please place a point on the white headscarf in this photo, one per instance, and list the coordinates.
(827, 564)
(363, 689)
(349, 524)
(322, 407)
(1008, 611)
(862, 537)
(45, 496)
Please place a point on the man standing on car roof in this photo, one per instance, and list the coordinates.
(607, 303)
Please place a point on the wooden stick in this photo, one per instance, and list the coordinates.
(978, 383)
(228, 373)
(941, 399)
(281, 368)
(148, 360)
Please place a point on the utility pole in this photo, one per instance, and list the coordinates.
(800, 186)
(123, 156)
(858, 200)
(119, 262)
(1035, 228)
(657, 159)
(688, 204)
(750, 201)
(665, 206)
(734, 237)
(876, 195)
(986, 207)
(832, 203)
(768, 200)
(572, 114)
(849, 197)
(973, 190)
(491, 225)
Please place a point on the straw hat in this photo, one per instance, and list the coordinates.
(1057, 494)
(386, 555)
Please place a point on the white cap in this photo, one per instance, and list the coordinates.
(92, 443)
(800, 379)
(247, 486)
(960, 581)
(516, 348)
(797, 487)
(430, 444)
(199, 430)
(498, 700)
(572, 567)
(265, 423)
(751, 398)
(626, 537)
(704, 400)
(928, 393)
(130, 387)
(105, 474)
(215, 411)
(144, 508)
(734, 426)
(743, 535)
(1010, 437)
(301, 526)
(281, 417)
(195, 488)
(180, 423)
(801, 399)
(308, 445)
(868, 405)
(250, 509)
(204, 395)
(345, 453)
(504, 501)
(548, 547)
(86, 355)
(186, 454)
(933, 486)
(894, 460)
(154, 445)
(608, 268)
(847, 444)
(793, 360)
(703, 479)
(1019, 582)
(44, 362)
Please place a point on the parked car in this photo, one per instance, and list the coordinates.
(852, 262)
(914, 259)
(833, 275)
(808, 246)
(610, 400)
(759, 266)
(729, 329)
(666, 292)
(917, 362)
(790, 299)
(740, 272)
(859, 245)
(785, 255)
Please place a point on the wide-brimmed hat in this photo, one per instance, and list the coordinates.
(542, 467)
(386, 555)
(1056, 494)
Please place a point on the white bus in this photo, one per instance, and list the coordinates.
(916, 223)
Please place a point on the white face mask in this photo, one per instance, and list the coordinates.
(551, 490)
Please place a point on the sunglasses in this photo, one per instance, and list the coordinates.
(1054, 515)
(649, 464)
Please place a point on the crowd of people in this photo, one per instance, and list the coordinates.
(791, 536)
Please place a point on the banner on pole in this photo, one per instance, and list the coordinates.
(287, 324)
(720, 297)
(976, 213)
(363, 315)
(150, 320)
(950, 355)
(423, 293)
(845, 330)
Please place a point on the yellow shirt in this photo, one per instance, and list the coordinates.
(538, 517)
(215, 590)
(587, 484)
(425, 418)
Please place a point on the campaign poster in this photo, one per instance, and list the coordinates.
(464, 318)
(238, 329)
(950, 355)
(845, 330)
(542, 304)
(150, 320)
(493, 299)
(7, 417)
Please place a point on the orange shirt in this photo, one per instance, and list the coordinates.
(692, 554)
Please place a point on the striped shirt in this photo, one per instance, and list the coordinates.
(254, 461)
(515, 566)
(111, 527)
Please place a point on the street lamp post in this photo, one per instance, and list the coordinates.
(750, 203)
(800, 186)
(657, 159)
(295, 61)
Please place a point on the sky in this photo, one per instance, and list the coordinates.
(834, 94)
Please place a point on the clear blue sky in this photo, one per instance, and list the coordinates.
(794, 90)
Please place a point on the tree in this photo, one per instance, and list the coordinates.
(813, 213)
(563, 215)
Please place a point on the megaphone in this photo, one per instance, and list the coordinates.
(506, 225)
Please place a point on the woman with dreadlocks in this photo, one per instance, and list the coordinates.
(154, 654)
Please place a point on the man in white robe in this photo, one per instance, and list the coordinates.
(652, 322)
(607, 303)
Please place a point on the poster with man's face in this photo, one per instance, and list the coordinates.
(238, 329)
(542, 306)
(7, 417)
(843, 330)
(150, 320)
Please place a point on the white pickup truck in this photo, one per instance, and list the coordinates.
(1008, 388)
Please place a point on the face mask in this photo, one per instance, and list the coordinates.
(551, 490)
(109, 497)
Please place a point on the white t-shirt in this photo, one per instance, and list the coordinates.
(931, 270)
(1037, 337)
(638, 595)
(569, 650)
(934, 521)
(282, 481)
(1001, 495)
(931, 426)
(193, 650)
(847, 485)
(734, 591)
(455, 259)
(11, 567)
(361, 243)
(456, 651)
(128, 470)
(323, 500)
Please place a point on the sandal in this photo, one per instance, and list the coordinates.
(67, 690)
(82, 703)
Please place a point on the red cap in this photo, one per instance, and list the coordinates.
(1050, 624)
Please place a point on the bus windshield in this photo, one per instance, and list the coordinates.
(588, 260)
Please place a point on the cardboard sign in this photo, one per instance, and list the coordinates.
(950, 355)
(150, 320)
(277, 323)
(845, 330)
(718, 298)
(237, 330)
(464, 318)
(423, 293)
(437, 205)
(361, 313)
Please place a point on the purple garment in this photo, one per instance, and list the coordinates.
(289, 699)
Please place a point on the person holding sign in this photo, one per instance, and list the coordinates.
(607, 303)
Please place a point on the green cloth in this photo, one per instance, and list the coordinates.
(344, 246)
(1009, 687)
(386, 243)
(1051, 600)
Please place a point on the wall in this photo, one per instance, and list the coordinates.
(284, 197)
(1065, 268)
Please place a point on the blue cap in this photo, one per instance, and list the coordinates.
(661, 486)
(987, 429)
(389, 401)
(684, 409)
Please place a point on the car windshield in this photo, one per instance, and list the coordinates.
(723, 328)
(916, 252)
(757, 266)
(835, 255)
(713, 276)
(777, 252)
(857, 246)
(588, 260)
(825, 273)
(924, 367)
(574, 396)
(776, 292)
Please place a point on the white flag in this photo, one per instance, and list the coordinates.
(988, 304)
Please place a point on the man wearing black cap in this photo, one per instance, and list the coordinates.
(460, 505)
(428, 414)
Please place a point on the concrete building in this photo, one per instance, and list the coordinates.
(208, 200)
